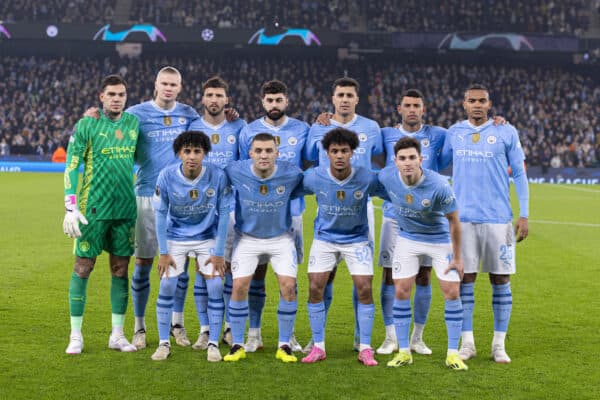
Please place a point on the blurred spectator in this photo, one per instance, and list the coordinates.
(73, 11)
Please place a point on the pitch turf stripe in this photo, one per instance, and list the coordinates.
(579, 189)
(542, 221)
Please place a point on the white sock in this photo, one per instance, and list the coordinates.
(168, 342)
(451, 351)
(363, 346)
(498, 338)
(227, 325)
(177, 318)
(204, 328)
(254, 332)
(320, 345)
(390, 332)
(417, 334)
(213, 342)
(75, 332)
(140, 323)
(283, 343)
(467, 336)
(117, 330)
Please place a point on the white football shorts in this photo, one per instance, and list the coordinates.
(280, 251)
(489, 246)
(324, 256)
(387, 242)
(198, 249)
(146, 242)
(405, 263)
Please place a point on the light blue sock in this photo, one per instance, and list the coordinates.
(355, 306)
(453, 315)
(227, 289)
(164, 306)
(317, 316)
(387, 303)
(201, 299)
(286, 316)
(402, 317)
(502, 306)
(181, 291)
(366, 315)
(256, 302)
(238, 314)
(215, 307)
(140, 288)
(422, 302)
(328, 296)
(467, 297)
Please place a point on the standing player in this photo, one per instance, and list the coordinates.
(290, 135)
(431, 138)
(105, 207)
(191, 202)
(340, 233)
(345, 100)
(424, 204)
(481, 154)
(223, 136)
(263, 220)
(161, 121)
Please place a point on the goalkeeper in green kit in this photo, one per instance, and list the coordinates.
(102, 215)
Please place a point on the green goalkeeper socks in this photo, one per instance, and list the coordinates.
(119, 294)
(77, 292)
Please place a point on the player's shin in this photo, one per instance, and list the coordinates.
(201, 301)
(164, 306)
(215, 308)
(365, 316)
(140, 291)
(286, 316)
(402, 318)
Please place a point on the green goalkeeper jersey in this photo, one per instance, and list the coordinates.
(107, 149)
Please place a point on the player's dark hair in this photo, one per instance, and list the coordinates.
(192, 139)
(112, 80)
(346, 82)
(263, 137)
(412, 93)
(216, 82)
(340, 136)
(406, 143)
(273, 87)
(476, 86)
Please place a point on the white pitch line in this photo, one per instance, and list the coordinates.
(578, 189)
(541, 221)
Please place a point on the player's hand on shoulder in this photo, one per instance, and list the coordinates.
(231, 114)
(93, 112)
(499, 120)
(521, 229)
(164, 262)
(218, 264)
(323, 118)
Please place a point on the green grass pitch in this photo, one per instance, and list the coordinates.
(553, 337)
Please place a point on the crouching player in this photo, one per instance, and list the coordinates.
(191, 203)
(423, 201)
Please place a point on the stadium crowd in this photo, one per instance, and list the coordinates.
(555, 110)
(556, 17)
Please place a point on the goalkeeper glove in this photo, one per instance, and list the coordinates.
(72, 217)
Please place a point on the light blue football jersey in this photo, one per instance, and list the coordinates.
(420, 209)
(370, 142)
(262, 206)
(158, 130)
(290, 137)
(342, 214)
(432, 142)
(480, 158)
(192, 205)
(224, 140)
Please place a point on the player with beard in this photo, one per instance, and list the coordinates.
(290, 135)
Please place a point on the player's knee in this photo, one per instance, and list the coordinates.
(364, 290)
(288, 289)
(451, 291)
(424, 276)
(144, 262)
(316, 292)
(118, 267)
(402, 291)
(469, 278)
(499, 279)
(83, 267)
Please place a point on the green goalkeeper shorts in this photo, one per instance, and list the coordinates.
(116, 236)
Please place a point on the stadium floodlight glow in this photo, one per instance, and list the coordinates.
(262, 38)
(4, 32)
(152, 32)
(515, 41)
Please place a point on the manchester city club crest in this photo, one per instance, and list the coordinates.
(340, 195)
(362, 137)
(132, 134)
(292, 141)
(475, 138)
(210, 192)
(182, 120)
(214, 138)
(358, 195)
(425, 142)
(193, 194)
(167, 121)
(280, 190)
(491, 139)
(409, 198)
(277, 140)
(426, 202)
(231, 139)
(263, 189)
